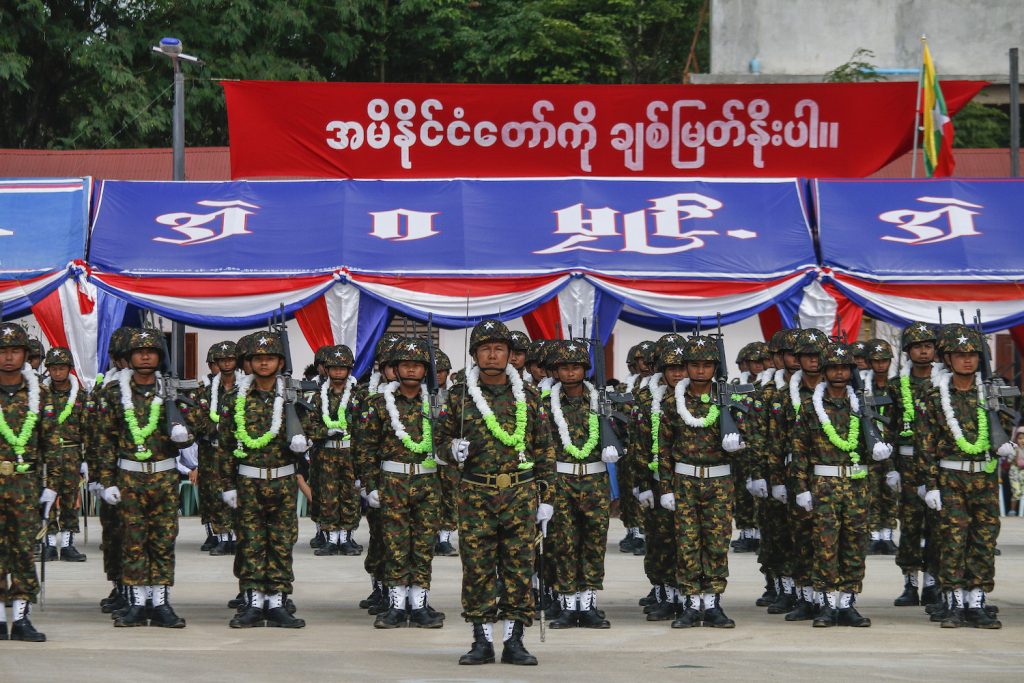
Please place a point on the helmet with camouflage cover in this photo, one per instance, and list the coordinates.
(221, 350)
(918, 332)
(790, 340)
(949, 336)
(35, 348)
(701, 348)
(119, 342)
(489, 331)
(759, 351)
(774, 344)
(536, 350)
(648, 353)
(962, 339)
(145, 338)
(567, 351)
(318, 356)
(266, 343)
(745, 354)
(383, 346)
(837, 353)
(671, 350)
(337, 355)
(548, 356)
(58, 355)
(811, 342)
(878, 349)
(13, 335)
(520, 341)
(441, 361)
(859, 349)
(243, 347)
(409, 349)
(631, 357)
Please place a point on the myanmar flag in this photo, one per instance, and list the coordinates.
(938, 126)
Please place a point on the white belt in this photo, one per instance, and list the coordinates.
(906, 450)
(972, 466)
(146, 467)
(702, 471)
(266, 473)
(336, 443)
(402, 468)
(578, 469)
(838, 470)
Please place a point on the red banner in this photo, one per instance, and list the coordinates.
(397, 130)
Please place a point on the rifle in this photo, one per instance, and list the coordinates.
(995, 390)
(869, 417)
(171, 386)
(724, 390)
(292, 386)
(606, 400)
(540, 578)
(44, 513)
(433, 390)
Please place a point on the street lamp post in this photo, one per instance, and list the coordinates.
(171, 48)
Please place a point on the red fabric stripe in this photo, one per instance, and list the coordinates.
(16, 284)
(695, 288)
(459, 286)
(771, 321)
(849, 313)
(975, 291)
(50, 316)
(208, 287)
(315, 323)
(945, 164)
(545, 321)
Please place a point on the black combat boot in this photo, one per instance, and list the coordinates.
(222, 548)
(514, 652)
(931, 595)
(395, 616)
(481, 651)
(770, 594)
(278, 615)
(649, 599)
(164, 617)
(690, 615)
(626, 545)
(69, 553)
(784, 603)
(639, 546)
(349, 546)
(318, 540)
(849, 616)
(328, 549)
(252, 616)
(827, 616)
(136, 614)
(665, 608)
(714, 616)
(421, 615)
(211, 540)
(238, 601)
(23, 630)
(569, 617)
(909, 597)
(374, 597)
(804, 609)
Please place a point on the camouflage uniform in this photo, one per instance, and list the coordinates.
(836, 481)
(743, 506)
(22, 476)
(146, 479)
(630, 513)
(213, 511)
(449, 475)
(883, 500)
(65, 463)
(498, 495)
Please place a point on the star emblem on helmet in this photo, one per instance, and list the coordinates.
(812, 337)
(572, 347)
(840, 352)
(8, 331)
(679, 349)
(411, 347)
(488, 325)
(144, 336)
(922, 327)
(699, 342)
(961, 339)
(878, 347)
(262, 340)
(224, 347)
(338, 354)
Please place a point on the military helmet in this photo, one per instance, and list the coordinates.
(759, 351)
(489, 331)
(266, 343)
(144, 338)
(547, 357)
(409, 349)
(701, 348)
(649, 353)
(221, 350)
(631, 356)
(811, 342)
(318, 356)
(950, 335)
(13, 335)
(119, 342)
(568, 351)
(520, 341)
(859, 349)
(837, 353)
(59, 355)
(671, 351)
(916, 333)
(383, 345)
(338, 355)
(878, 349)
(536, 350)
(775, 343)
(963, 339)
(746, 354)
(35, 348)
(441, 360)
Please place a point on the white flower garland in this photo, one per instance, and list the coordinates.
(350, 382)
(630, 382)
(658, 390)
(545, 384)
(947, 406)
(75, 385)
(527, 377)
(764, 377)
(32, 382)
(645, 381)
(794, 389)
(744, 377)
(124, 380)
(375, 378)
(780, 378)
(389, 402)
(215, 391)
(559, 417)
(277, 417)
(684, 412)
(473, 388)
(819, 406)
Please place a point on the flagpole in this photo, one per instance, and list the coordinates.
(917, 110)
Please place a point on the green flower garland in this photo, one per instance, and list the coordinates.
(140, 434)
(341, 423)
(66, 412)
(908, 406)
(517, 439)
(655, 441)
(242, 433)
(593, 436)
(848, 444)
(981, 445)
(18, 441)
(425, 443)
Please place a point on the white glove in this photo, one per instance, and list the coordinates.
(1005, 451)
(335, 432)
(181, 467)
(732, 443)
(111, 495)
(95, 488)
(299, 444)
(460, 450)
(364, 495)
(373, 499)
(668, 501)
(933, 499)
(358, 485)
(47, 496)
(892, 480)
(230, 498)
(881, 451)
(179, 434)
(646, 499)
(921, 491)
(610, 454)
(804, 500)
(544, 514)
(636, 492)
(758, 488)
(189, 457)
(779, 493)
(84, 470)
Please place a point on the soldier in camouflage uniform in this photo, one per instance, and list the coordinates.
(257, 465)
(695, 469)
(137, 465)
(335, 407)
(534, 368)
(22, 476)
(35, 354)
(641, 361)
(214, 513)
(919, 344)
(830, 476)
(743, 509)
(520, 348)
(884, 499)
(860, 356)
(960, 474)
(312, 473)
(66, 465)
(449, 475)
(500, 438)
(398, 469)
(582, 499)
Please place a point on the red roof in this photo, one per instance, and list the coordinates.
(970, 163)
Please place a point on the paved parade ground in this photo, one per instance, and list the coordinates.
(339, 642)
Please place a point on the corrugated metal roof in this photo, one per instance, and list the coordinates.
(201, 163)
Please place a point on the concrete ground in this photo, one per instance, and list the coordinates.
(340, 644)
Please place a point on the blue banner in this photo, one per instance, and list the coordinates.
(42, 224)
(942, 229)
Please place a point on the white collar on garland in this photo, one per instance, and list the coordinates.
(684, 412)
(389, 403)
(819, 405)
(794, 389)
(215, 390)
(559, 417)
(947, 405)
(350, 383)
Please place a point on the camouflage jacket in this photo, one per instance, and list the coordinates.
(314, 424)
(911, 467)
(811, 445)
(639, 439)
(259, 414)
(75, 429)
(14, 404)
(577, 418)
(790, 472)
(378, 441)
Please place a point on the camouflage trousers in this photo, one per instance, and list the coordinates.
(801, 528)
(578, 532)
(337, 499)
(629, 507)
(373, 563)
(111, 540)
(839, 542)
(409, 507)
(19, 523)
(149, 513)
(660, 559)
(497, 531)
(883, 502)
(703, 528)
(267, 529)
(969, 526)
(449, 478)
(63, 476)
(212, 509)
(776, 552)
(742, 501)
